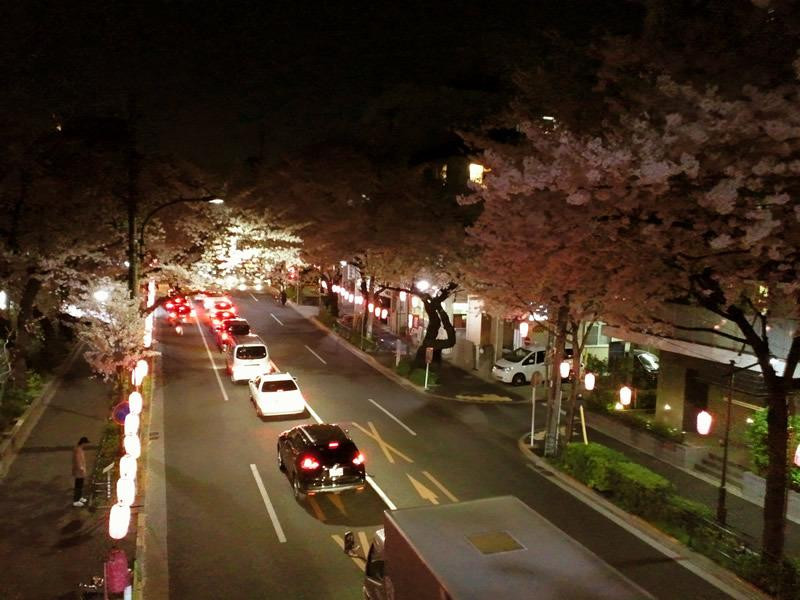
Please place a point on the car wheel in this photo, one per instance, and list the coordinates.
(518, 379)
(281, 466)
(299, 494)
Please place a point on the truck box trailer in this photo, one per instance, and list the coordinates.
(481, 549)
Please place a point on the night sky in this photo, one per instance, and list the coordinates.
(220, 82)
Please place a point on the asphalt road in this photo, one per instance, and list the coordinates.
(234, 529)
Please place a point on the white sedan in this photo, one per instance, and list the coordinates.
(276, 394)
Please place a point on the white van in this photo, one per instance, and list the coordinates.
(246, 357)
(522, 364)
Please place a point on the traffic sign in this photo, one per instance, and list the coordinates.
(120, 411)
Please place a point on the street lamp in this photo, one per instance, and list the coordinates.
(135, 258)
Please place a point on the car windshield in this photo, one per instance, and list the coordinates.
(517, 355)
(649, 361)
(283, 385)
(251, 352)
(239, 328)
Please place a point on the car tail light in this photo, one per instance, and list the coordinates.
(224, 336)
(193, 313)
(309, 463)
(333, 444)
(170, 305)
(233, 309)
(359, 459)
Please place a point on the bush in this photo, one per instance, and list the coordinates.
(591, 464)
(756, 436)
(326, 318)
(639, 490)
(404, 367)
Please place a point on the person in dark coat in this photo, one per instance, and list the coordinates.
(79, 471)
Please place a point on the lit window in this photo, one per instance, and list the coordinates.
(476, 173)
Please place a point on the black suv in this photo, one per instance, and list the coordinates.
(320, 458)
(229, 329)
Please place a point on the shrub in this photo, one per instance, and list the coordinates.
(417, 376)
(591, 464)
(404, 367)
(596, 365)
(326, 318)
(639, 490)
(756, 436)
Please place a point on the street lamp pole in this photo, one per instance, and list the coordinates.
(136, 259)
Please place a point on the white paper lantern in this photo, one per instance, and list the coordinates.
(119, 519)
(410, 320)
(141, 365)
(126, 491)
(131, 424)
(377, 311)
(625, 394)
(564, 368)
(523, 329)
(589, 381)
(127, 467)
(704, 420)
(135, 401)
(384, 313)
(132, 445)
(370, 307)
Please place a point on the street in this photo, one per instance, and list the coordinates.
(234, 528)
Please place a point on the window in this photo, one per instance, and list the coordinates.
(284, 385)
(595, 337)
(251, 352)
(540, 357)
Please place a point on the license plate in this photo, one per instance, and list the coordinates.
(337, 472)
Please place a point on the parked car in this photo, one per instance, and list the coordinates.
(519, 366)
(276, 394)
(320, 458)
(230, 328)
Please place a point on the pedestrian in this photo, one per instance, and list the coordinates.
(283, 297)
(79, 472)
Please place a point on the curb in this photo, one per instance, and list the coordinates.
(699, 564)
(390, 374)
(9, 447)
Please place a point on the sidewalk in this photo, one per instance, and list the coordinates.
(47, 546)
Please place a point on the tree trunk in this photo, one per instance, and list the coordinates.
(554, 397)
(21, 335)
(574, 387)
(775, 499)
(437, 318)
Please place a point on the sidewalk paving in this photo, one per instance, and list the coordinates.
(47, 546)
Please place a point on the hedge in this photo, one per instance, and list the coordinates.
(591, 464)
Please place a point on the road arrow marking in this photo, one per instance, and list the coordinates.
(336, 500)
(424, 492)
(442, 489)
(385, 447)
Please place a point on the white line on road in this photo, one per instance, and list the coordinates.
(253, 297)
(322, 360)
(381, 493)
(391, 416)
(272, 515)
(213, 364)
(278, 320)
(313, 413)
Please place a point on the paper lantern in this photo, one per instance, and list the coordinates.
(377, 311)
(410, 320)
(351, 298)
(402, 296)
(704, 420)
(132, 445)
(564, 369)
(128, 467)
(126, 491)
(131, 424)
(370, 307)
(589, 381)
(119, 519)
(625, 395)
(523, 329)
(141, 365)
(135, 402)
(384, 313)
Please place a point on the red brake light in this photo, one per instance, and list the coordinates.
(309, 463)
(224, 336)
(359, 459)
(333, 444)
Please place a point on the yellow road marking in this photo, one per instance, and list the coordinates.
(424, 492)
(443, 489)
(360, 562)
(336, 500)
(316, 508)
(385, 447)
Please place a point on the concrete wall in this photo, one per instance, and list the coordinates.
(671, 390)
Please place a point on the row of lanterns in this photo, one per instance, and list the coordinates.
(120, 516)
(358, 299)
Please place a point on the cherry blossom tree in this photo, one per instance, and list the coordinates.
(690, 203)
